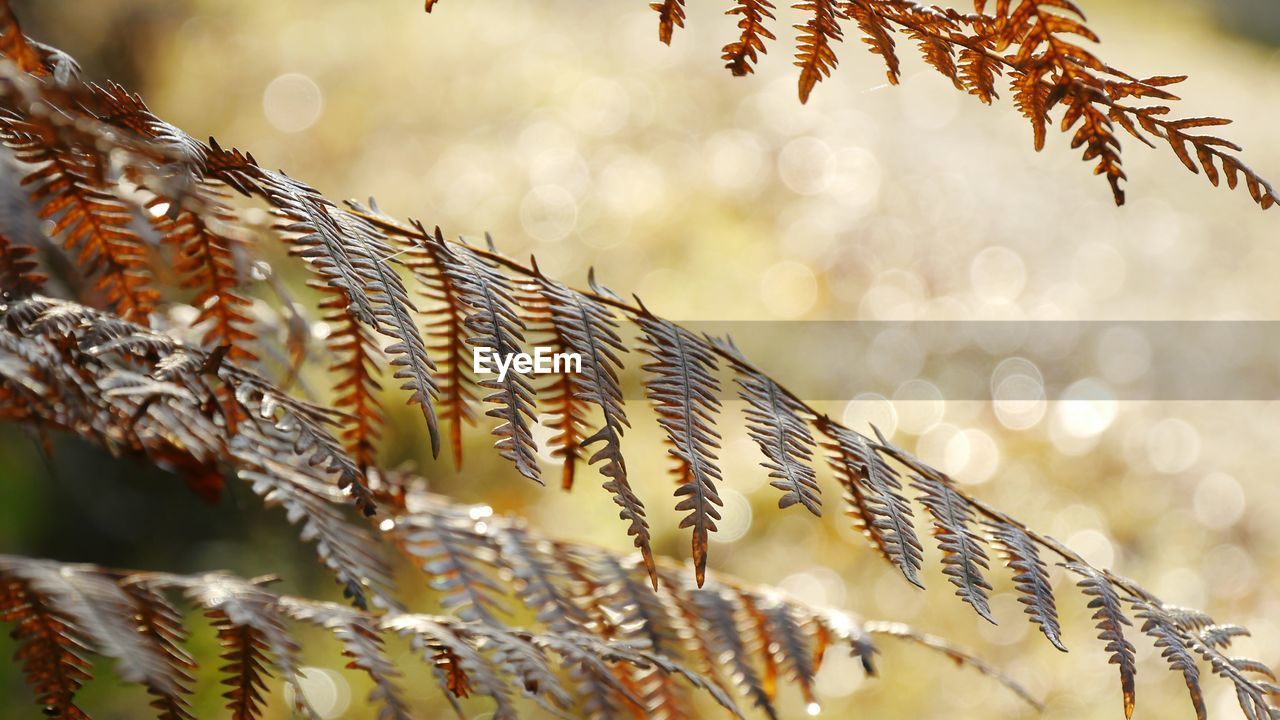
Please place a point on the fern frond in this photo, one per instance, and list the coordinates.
(206, 264)
(87, 215)
(362, 642)
(51, 647)
(1168, 639)
(961, 657)
(454, 552)
(494, 324)
(427, 258)
(721, 616)
(741, 56)
(588, 329)
(15, 46)
(963, 557)
(878, 36)
(1031, 579)
(815, 46)
(19, 277)
(873, 490)
(778, 424)
(160, 623)
(684, 388)
(670, 17)
(540, 580)
(351, 258)
(1044, 45)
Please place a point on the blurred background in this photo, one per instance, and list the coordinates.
(567, 130)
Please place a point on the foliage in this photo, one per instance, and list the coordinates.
(110, 366)
(1044, 47)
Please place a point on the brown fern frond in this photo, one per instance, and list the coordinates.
(670, 17)
(50, 646)
(792, 647)
(362, 642)
(345, 549)
(878, 36)
(683, 388)
(15, 46)
(1046, 47)
(356, 362)
(1033, 96)
(252, 631)
(978, 72)
(721, 615)
(454, 552)
(741, 56)
(161, 624)
(815, 47)
(493, 324)
(206, 263)
(19, 276)
(353, 260)
(873, 490)
(86, 215)
(105, 618)
(1168, 640)
(244, 654)
(1031, 579)
(93, 612)
(963, 557)
(466, 667)
(427, 258)
(169, 414)
(587, 328)
(778, 424)
(540, 579)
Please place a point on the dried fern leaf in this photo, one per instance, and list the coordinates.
(1031, 579)
(19, 277)
(779, 425)
(753, 15)
(1109, 612)
(15, 46)
(878, 35)
(427, 257)
(670, 17)
(586, 327)
(873, 490)
(721, 614)
(352, 259)
(794, 651)
(683, 387)
(541, 581)
(362, 642)
(963, 558)
(345, 549)
(1169, 640)
(87, 215)
(978, 72)
(494, 324)
(815, 47)
(961, 657)
(440, 638)
(207, 265)
(51, 648)
(161, 624)
(455, 555)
